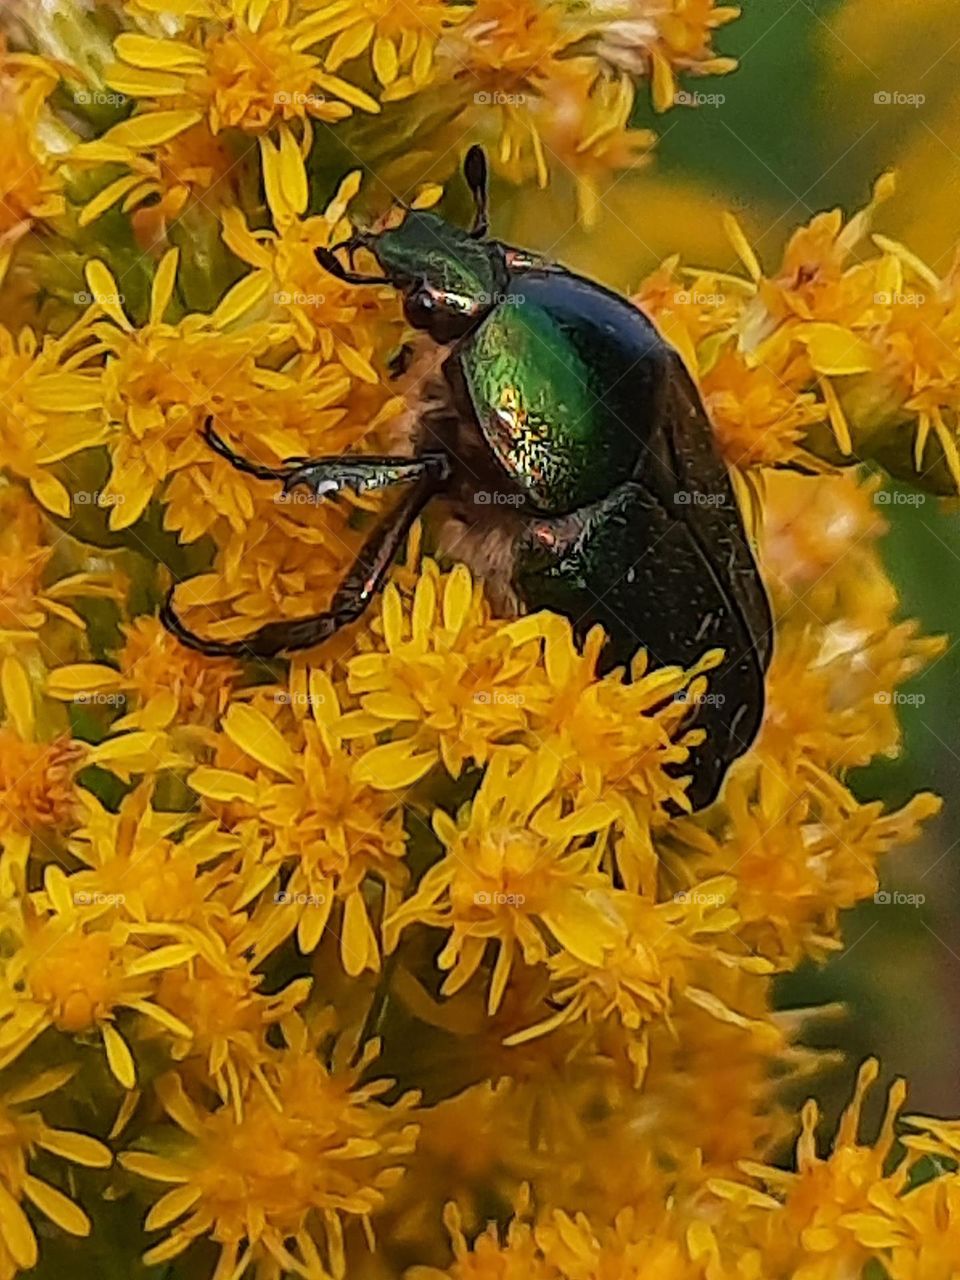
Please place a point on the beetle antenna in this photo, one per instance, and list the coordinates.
(331, 263)
(476, 173)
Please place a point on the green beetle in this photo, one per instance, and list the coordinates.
(574, 462)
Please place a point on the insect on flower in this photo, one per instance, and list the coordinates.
(574, 462)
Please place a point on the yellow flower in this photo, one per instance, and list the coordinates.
(160, 382)
(617, 740)
(22, 1134)
(445, 678)
(228, 1019)
(488, 1257)
(832, 695)
(758, 418)
(515, 863)
(402, 42)
(586, 130)
(159, 385)
(819, 550)
(28, 599)
(49, 408)
(662, 38)
(514, 63)
(824, 1219)
(922, 1223)
(694, 309)
(632, 1249)
(280, 1184)
(240, 896)
(507, 48)
(38, 791)
(36, 784)
(152, 868)
(753, 1067)
(72, 975)
(30, 187)
(326, 814)
(164, 686)
(245, 66)
(163, 180)
(448, 680)
(286, 564)
(646, 965)
(867, 347)
(358, 327)
(800, 857)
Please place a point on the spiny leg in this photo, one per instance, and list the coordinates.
(351, 598)
(332, 473)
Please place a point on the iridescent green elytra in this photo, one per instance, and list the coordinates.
(575, 464)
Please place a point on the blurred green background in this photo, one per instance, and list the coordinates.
(800, 130)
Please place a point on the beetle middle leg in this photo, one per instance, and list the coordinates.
(333, 473)
(365, 579)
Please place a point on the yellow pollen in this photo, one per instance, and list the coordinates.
(73, 978)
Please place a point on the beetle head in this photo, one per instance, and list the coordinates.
(449, 278)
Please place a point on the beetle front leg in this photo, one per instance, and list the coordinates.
(365, 579)
(331, 474)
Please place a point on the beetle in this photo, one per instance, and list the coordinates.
(573, 462)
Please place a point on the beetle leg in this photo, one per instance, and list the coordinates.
(220, 446)
(351, 598)
(331, 474)
(331, 263)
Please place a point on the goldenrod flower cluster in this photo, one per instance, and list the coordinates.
(408, 958)
(847, 351)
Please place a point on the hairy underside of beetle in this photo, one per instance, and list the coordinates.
(480, 519)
